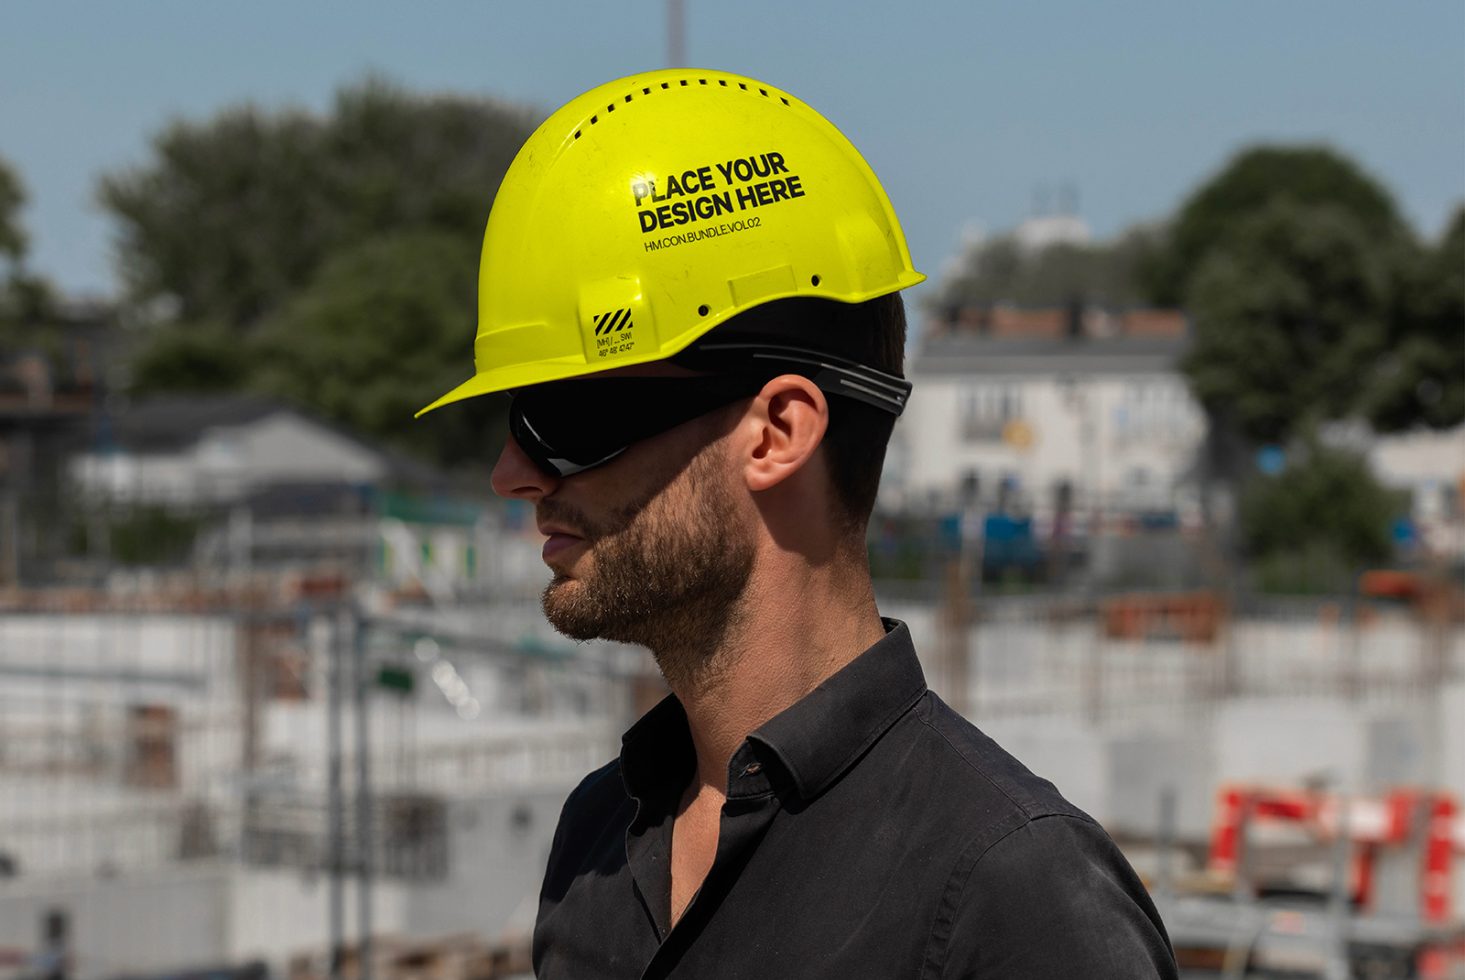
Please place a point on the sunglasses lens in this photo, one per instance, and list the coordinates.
(568, 426)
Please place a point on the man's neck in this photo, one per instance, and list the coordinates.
(798, 626)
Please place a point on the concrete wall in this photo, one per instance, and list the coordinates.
(222, 913)
(1287, 741)
(273, 914)
(498, 848)
(154, 921)
(1452, 742)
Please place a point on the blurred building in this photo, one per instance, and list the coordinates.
(220, 449)
(1044, 410)
(50, 389)
(253, 485)
(195, 779)
(1083, 411)
(1430, 467)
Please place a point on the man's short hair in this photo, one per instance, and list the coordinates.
(871, 333)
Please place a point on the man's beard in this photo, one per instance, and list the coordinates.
(668, 574)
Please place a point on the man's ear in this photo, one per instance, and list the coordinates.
(787, 421)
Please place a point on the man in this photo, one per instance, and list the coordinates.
(689, 286)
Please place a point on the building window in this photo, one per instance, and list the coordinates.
(985, 410)
(1152, 411)
(969, 489)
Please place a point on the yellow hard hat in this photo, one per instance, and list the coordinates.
(649, 210)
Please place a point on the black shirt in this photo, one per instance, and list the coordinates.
(869, 831)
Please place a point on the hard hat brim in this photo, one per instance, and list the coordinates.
(479, 384)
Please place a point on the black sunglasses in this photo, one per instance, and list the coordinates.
(567, 427)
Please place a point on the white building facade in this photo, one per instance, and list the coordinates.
(1105, 422)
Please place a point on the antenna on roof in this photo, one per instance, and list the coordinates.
(676, 34)
(1068, 200)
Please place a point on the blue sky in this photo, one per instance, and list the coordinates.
(965, 110)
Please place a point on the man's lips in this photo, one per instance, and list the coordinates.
(557, 540)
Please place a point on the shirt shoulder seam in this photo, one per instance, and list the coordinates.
(959, 879)
(1026, 810)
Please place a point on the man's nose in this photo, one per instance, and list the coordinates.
(516, 476)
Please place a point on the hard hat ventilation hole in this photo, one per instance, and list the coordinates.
(814, 280)
(684, 83)
(703, 310)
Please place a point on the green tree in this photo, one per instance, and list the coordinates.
(1317, 523)
(1289, 314)
(1252, 182)
(382, 330)
(1002, 271)
(1421, 377)
(193, 358)
(247, 240)
(12, 199)
(26, 300)
(234, 215)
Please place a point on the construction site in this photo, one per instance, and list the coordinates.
(277, 704)
(290, 778)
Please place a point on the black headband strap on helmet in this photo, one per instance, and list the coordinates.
(832, 374)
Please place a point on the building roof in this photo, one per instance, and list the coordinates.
(985, 355)
(175, 422)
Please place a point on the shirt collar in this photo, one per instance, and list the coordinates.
(816, 739)
(813, 741)
(657, 752)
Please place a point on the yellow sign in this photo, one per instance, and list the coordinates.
(1018, 434)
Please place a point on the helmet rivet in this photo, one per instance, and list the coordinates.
(814, 280)
(703, 310)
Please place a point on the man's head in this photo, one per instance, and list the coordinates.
(707, 226)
